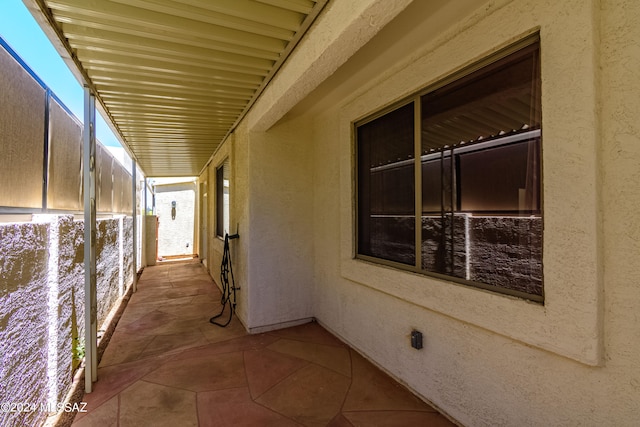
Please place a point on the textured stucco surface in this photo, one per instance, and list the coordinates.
(489, 359)
(23, 319)
(65, 300)
(569, 323)
(107, 266)
(236, 151)
(347, 26)
(176, 236)
(271, 174)
(71, 281)
(151, 239)
(42, 304)
(127, 250)
(620, 172)
(281, 213)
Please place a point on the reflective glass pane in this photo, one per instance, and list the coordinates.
(481, 204)
(386, 189)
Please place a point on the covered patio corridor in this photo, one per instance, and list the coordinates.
(166, 364)
(461, 173)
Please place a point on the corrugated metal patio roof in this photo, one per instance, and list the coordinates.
(175, 76)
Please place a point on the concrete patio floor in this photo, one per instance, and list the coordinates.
(166, 365)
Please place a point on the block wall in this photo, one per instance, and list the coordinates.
(42, 304)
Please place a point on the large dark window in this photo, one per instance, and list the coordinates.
(222, 199)
(478, 184)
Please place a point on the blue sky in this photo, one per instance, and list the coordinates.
(22, 33)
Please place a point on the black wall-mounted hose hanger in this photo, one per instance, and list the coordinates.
(228, 289)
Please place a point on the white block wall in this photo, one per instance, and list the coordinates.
(42, 304)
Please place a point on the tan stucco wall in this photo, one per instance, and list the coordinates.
(569, 323)
(272, 175)
(238, 216)
(489, 359)
(176, 235)
(619, 167)
(281, 222)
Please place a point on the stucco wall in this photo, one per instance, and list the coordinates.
(281, 219)
(42, 304)
(619, 155)
(271, 195)
(236, 151)
(491, 359)
(176, 235)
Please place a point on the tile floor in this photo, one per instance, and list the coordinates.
(166, 365)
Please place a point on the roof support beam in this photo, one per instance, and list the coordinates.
(187, 69)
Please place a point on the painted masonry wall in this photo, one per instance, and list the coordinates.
(271, 194)
(235, 150)
(270, 206)
(176, 236)
(281, 219)
(42, 303)
(489, 359)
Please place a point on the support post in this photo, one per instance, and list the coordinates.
(146, 201)
(90, 298)
(134, 188)
(143, 222)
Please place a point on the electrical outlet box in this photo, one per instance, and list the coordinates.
(416, 339)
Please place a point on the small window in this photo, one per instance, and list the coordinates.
(222, 199)
(474, 193)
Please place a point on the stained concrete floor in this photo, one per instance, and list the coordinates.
(166, 365)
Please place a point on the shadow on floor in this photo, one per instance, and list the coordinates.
(166, 365)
